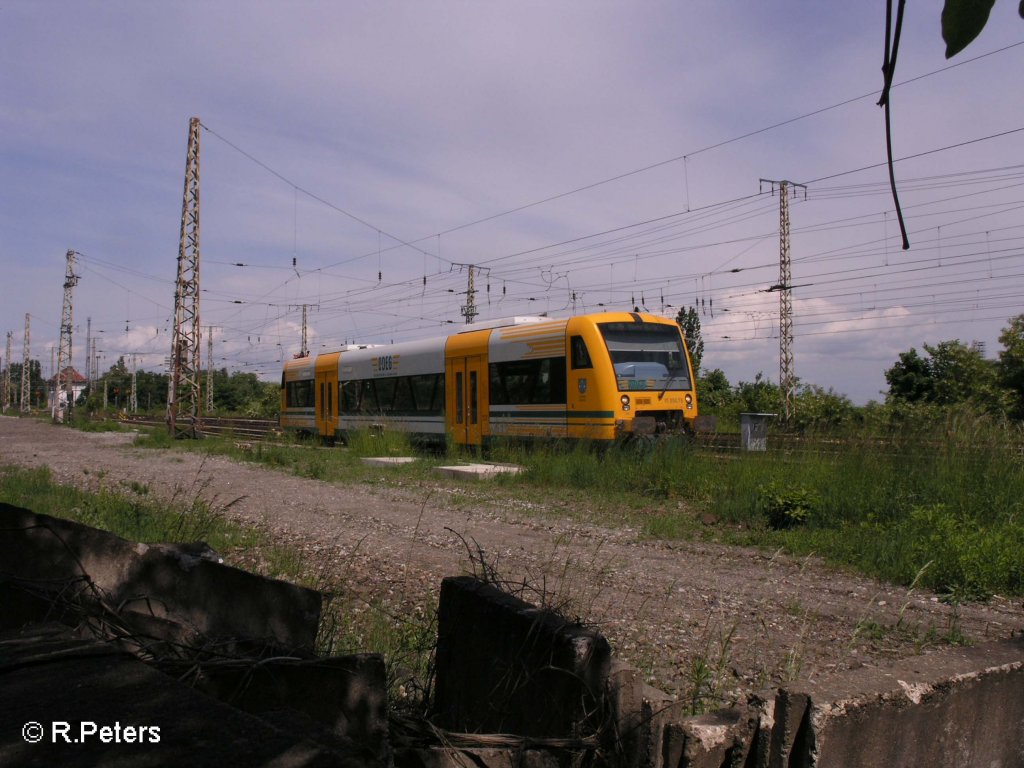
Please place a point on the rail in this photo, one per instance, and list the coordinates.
(253, 429)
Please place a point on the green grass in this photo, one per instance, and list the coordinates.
(949, 502)
(945, 501)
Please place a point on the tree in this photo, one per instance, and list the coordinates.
(910, 379)
(951, 374)
(1011, 364)
(689, 322)
(759, 396)
(36, 385)
(714, 390)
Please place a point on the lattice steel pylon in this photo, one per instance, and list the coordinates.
(26, 393)
(469, 309)
(64, 378)
(209, 369)
(6, 403)
(184, 418)
(787, 374)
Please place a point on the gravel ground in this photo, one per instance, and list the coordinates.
(692, 616)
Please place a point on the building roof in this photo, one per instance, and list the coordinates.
(76, 377)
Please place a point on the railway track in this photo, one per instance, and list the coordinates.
(251, 429)
(719, 442)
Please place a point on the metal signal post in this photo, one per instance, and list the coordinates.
(184, 401)
(26, 392)
(64, 380)
(787, 375)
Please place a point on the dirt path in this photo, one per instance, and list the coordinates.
(751, 616)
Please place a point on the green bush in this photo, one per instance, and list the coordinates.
(786, 507)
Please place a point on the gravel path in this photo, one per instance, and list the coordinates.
(752, 617)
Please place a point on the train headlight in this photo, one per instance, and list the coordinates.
(689, 401)
(625, 401)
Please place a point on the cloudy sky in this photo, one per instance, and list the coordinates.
(583, 155)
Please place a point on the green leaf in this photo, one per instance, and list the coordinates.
(962, 21)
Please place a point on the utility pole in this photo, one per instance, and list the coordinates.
(65, 378)
(133, 397)
(469, 310)
(88, 346)
(184, 401)
(787, 375)
(26, 393)
(304, 350)
(7, 375)
(209, 368)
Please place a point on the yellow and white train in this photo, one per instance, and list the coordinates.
(598, 376)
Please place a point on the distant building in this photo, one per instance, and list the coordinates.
(58, 399)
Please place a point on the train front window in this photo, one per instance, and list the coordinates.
(646, 356)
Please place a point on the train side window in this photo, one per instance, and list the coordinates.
(299, 394)
(458, 398)
(437, 401)
(349, 396)
(330, 400)
(403, 395)
(425, 391)
(580, 355)
(472, 398)
(385, 393)
(524, 382)
(367, 397)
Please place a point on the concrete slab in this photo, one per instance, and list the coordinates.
(72, 702)
(478, 471)
(166, 581)
(388, 461)
(504, 666)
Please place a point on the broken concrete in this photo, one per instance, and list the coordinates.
(504, 666)
(963, 706)
(958, 707)
(337, 706)
(173, 582)
(75, 702)
(346, 696)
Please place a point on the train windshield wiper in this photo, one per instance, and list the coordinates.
(668, 380)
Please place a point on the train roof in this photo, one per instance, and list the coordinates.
(502, 322)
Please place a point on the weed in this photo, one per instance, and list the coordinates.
(709, 670)
(786, 507)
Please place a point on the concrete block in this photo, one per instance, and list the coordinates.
(504, 666)
(74, 688)
(448, 757)
(637, 718)
(346, 695)
(789, 728)
(478, 471)
(958, 707)
(163, 581)
(388, 461)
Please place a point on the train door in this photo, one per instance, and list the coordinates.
(466, 388)
(327, 395)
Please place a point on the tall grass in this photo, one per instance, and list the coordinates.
(128, 512)
(945, 503)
